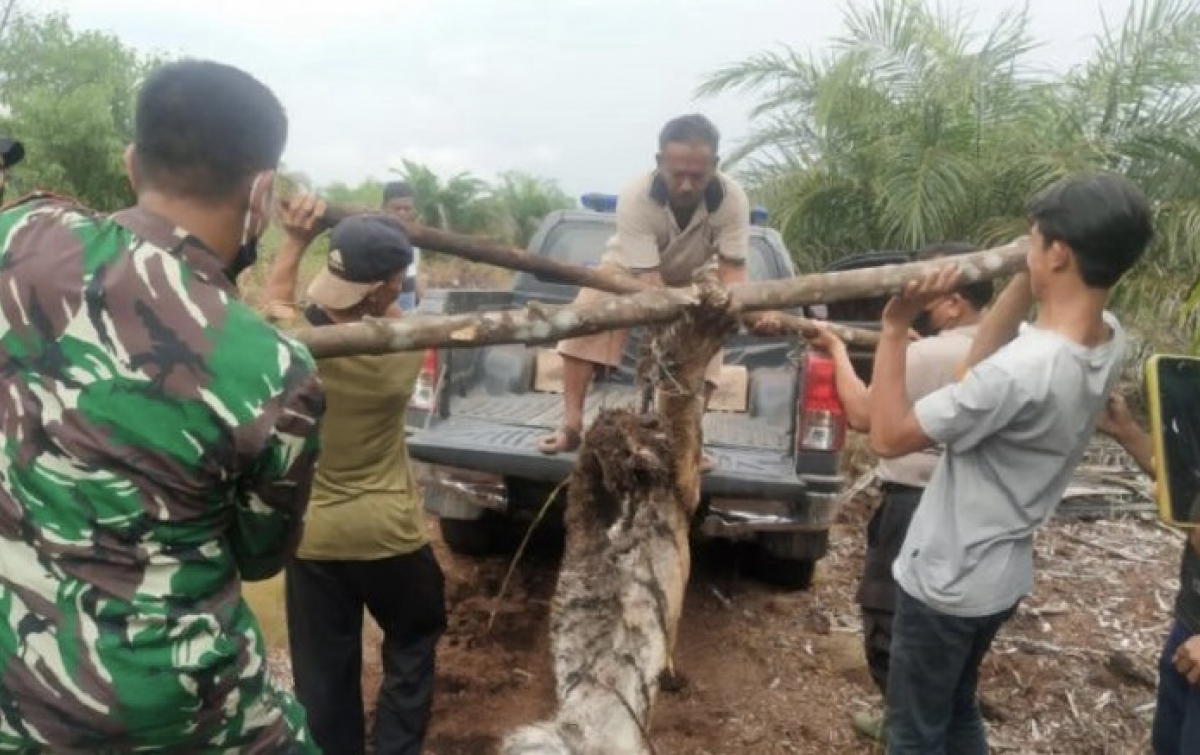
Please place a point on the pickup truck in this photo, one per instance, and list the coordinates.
(776, 427)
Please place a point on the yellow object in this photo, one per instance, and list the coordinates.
(1162, 471)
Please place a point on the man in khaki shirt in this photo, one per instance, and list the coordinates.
(671, 222)
(931, 364)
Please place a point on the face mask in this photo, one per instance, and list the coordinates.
(247, 253)
(924, 325)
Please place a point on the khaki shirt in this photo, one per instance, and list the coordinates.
(931, 364)
(649, 238)
(365, 504)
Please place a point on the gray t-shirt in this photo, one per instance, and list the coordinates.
(1014, 430)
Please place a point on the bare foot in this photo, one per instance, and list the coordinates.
(564, 440)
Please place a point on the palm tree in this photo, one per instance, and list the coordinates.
(1134, 105)
(523, 200)
(911, 129)
(460, 203)
(894, 137)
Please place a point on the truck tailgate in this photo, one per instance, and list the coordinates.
(499, 434)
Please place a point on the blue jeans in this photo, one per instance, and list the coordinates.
(407, 301)
(1177, 717)
(932, 680)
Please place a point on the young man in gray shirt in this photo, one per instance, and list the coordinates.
(1014, 429)
(932, 362)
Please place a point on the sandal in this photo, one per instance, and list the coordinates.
(564, 440)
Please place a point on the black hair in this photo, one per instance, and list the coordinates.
(396, 190)
(689, 128)
(978, 294)
(1103, 218)
(203, 128)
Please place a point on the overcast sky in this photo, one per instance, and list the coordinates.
(575, 90)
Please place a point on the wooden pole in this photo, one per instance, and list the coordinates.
(538, 323)
(815, 288)
(870, 282)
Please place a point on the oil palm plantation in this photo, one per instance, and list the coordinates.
(913, 128)
(522, 201)
(458, 203)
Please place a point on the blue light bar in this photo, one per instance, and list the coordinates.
(758, 215)
(599, 202)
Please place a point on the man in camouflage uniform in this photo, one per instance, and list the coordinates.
(159, 446)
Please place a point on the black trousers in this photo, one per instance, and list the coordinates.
(877, 589)
(325, 601)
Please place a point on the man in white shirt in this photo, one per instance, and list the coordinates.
(1014, 429)
(399, 200)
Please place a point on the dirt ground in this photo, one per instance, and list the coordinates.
(781, 672)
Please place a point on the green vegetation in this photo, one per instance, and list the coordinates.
(910, 129)
(68, 95)
(906, 129)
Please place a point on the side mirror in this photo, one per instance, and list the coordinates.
(1173, 390)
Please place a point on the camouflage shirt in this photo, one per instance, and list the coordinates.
(159, 443)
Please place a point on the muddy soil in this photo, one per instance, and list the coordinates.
(770, 671)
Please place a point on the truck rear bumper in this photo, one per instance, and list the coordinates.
(751, 490)
(735, 517)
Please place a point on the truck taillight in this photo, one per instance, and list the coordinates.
(425, 392)
(820, 419)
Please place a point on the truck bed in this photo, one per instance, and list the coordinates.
(544, 411)
(499, 434)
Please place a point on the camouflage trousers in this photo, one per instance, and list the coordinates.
(271, 725)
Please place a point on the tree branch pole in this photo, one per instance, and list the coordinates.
(538, 323)
(532, 324)
(870, 282)
(486, 251)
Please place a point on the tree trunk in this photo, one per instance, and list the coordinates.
(488, 252)
(625, 568)
(620, 590)
(814, 288)
(532, 324)
(539, 323)
(870, 282)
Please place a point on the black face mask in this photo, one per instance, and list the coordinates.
(247, 255)
(924, 325)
